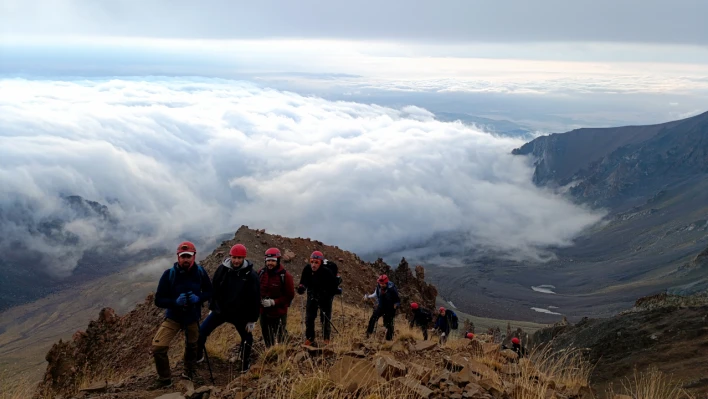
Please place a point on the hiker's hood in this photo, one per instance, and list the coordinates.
(246, 264)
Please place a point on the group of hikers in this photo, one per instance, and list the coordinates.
(240, 295)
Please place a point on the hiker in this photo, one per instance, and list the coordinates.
(422, 318)
(236, 300)
(447, 320)
(182, 290)
(321, 286)
(277, 293)
(335, 270)
(516, 347)
(387, 301)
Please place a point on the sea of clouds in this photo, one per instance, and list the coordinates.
(190, 156)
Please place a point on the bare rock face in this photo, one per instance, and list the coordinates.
(388, 367)
(420, 272)
(354, 373)
(288, 256)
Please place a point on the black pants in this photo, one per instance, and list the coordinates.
(215, 320)
(325, 307)
(388, 316)
(424, 328)
(274, 329)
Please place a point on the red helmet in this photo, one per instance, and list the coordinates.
(272, 253)
(442, 309)
(317, 255)
(186, 247)
(383, 279)
(238, 250)
(515, 341)
(414, 306)
(469, 335)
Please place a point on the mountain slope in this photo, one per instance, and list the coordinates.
(28, 331)
(652, 180)
(664, 331)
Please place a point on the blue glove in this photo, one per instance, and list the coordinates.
(182, 299)
(193, 298)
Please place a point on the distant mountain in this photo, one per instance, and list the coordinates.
(501, 127)
(653, 181)
(618, 167)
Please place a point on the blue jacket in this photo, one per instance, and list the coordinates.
(444, 323)
(196, 280)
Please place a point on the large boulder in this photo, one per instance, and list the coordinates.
(354, 373)
(388, 367)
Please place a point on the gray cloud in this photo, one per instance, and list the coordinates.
(655, 21)
(171, 157)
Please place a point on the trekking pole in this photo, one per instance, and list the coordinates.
(206, 357)
(329, 321)
(302, 316)
(341, 302)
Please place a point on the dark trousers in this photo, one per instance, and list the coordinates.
(215, 320)
(274, 329)
(424, 328)
(325, 308)
(388, 316)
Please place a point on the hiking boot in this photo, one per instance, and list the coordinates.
(192, 376)
(326, 342)
(245, 368)
(160, 383)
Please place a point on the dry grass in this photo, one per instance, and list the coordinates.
(16, 388)
(543, 369)
(651, 384)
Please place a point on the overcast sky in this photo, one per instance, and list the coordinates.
(644, 21)
(285, 112)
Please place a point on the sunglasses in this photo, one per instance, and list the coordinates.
(185, 256)
(317, 257)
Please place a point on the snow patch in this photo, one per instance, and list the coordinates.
(543, 310)
(546, 289)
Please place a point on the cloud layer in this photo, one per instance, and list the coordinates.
(172, 157)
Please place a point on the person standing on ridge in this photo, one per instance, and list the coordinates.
(387, 301)
(236, 300)
(422, 318)
(321, 286)
(277, 292)
(182, 291)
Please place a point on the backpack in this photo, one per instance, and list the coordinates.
(202, 273)
(334, 269)
(453, 320)
(282, 280)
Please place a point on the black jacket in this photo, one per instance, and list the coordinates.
(237, 292)
(421, 317)
(320, 285)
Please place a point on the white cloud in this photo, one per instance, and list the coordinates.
(202, 156)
